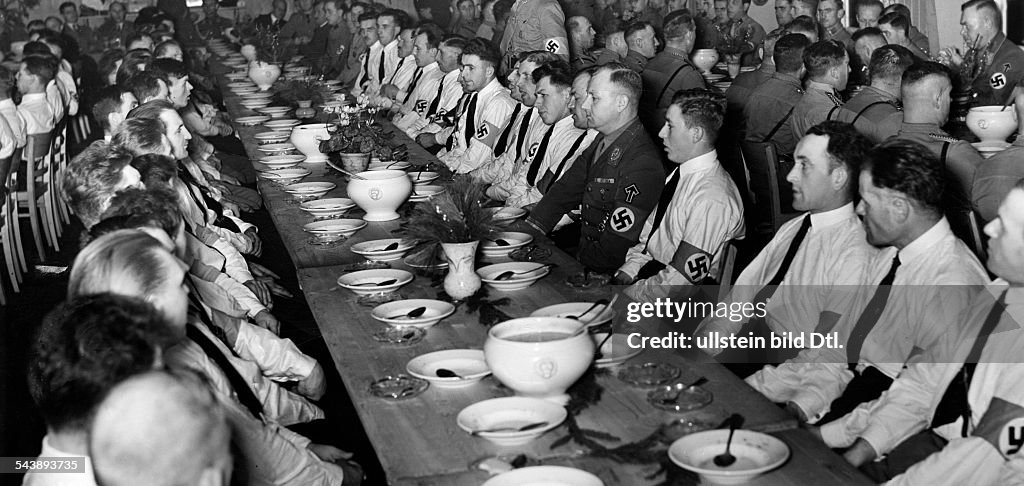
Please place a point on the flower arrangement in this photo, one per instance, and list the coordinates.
(455, 216)
(269, 48)
(734, 38)
(356, 139)
(291, 91)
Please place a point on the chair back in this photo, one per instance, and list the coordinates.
(966, 226)
(760, 158)
(726, 269)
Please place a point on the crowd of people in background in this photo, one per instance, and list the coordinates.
(592, 116)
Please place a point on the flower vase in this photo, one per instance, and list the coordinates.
(733, 63)
(462, 280)
(264, 74)
(305, 110)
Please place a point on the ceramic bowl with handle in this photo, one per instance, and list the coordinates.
(380, 193)
(992, 123)
(539, 357)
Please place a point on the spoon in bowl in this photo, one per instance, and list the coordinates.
(675, 396)
(447, 373)
(377, 284)
(592, 307)
(524, 428)
(726, 459)
(509, 274)
(411, 314)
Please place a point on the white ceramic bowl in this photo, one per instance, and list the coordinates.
(255, 104)
(272, 136)
(374, 250)
(756, 453)
(310, 189)
(284, 125)
(422, 193)
(992, 123)
(539, 356)
(333, 229)
(380, 193)
(328, 208)
(704, 59)
(577, 309)
(388, 165)
(545, 476)
(248, 121)
(307, 139)
(489, 273)
(514, 239)
(352, 280)
(394, 313)
(274, 162)
(257, 95)
(275, 111)
(285, 176)
(510, 412)
(283, 148)
(468, 364)
(506, 213)
(420, 178)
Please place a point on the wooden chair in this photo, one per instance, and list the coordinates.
(60, 164)
(763, 165)
(726, 269)
(967, 227)
(36, 158)
(80, 125)
(10, 257)
(12, 208)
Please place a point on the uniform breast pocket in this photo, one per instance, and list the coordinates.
(602, 192)
(529, 31)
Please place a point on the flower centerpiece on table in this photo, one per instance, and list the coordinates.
(292, 91)
(457, 221)
(734, 39)
(269, 48)
(366, 139)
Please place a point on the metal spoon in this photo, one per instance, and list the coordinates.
(727, 459)
(672, 399)
(592, 307)
(447, 373)
(393, 246)
(411, 314)
(343, 171)
(501, 242)
(524, 428)
(597, 353)
(377, 284)
(507, 275)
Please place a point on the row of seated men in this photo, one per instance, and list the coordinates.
(164, 212)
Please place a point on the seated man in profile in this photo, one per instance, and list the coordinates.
(699, 210)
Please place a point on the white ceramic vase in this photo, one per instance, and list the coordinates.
(462, 281)
(264, 74)
(249, 52)
(539, 357)
(705, 59)
(992, 123)
(380, 193)
(307, 139)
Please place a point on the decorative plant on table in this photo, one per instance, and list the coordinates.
(734, 41)
(292, 91)
(367, 139)
(456, 221)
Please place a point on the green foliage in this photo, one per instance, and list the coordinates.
(292, 91)
(455, 216)
(360, 139)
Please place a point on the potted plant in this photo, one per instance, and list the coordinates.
(457, 221)
(294, 91)
(734, 42)
(355, 145)
(266, 68)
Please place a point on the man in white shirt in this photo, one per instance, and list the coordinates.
(424, 120)
(63, 77)
(798, 275)
(954, 415)
(396, 86)
(373, 63)
(699, 210)
(8, 110)
(35, 110)
(427, 74)
(385, 63)
(111, 108)
(923, 275)
(484, 113)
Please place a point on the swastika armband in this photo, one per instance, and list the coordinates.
(997, 80)
(555, 46)
(692, 262)
(487, 133)
(1002, 426)
(421, 107)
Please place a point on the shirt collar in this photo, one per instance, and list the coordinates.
(789, 78)
(561, 124)
(1014, 294)
(492, 86)
(33, 96)
(884, 95)
(392, 46)
(431, 67)
(676, 52)
(997, 42)
(822, 87)
(926, 241)
(829, 218)
(612, 137)
(699, 163)
(7, 104)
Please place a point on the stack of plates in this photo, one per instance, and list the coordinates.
(285, 176)
(248, 121)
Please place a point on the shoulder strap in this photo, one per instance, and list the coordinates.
(866, 108)
(669, 83)
(778, 125)
(831, 112)
(942, 157)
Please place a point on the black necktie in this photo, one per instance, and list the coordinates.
(666, 197)
(397, 68)
(470, 124)
(437, 99)
(380, 68)
(502, 143)
(415, 79)
(538, 158)
(523, 127)
(366, 68)
(460, 111)
(870, 316)
(794, 246)
(954, 402)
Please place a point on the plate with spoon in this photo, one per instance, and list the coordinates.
(369, 282)
(511, 421)
(384, 250)
(451, 368)
(412, 312)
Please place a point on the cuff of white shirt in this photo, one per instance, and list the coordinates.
(835, 434)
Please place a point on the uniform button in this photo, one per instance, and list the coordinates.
(602, 191)
(589, 188)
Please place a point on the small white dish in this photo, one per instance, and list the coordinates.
(364, 282)
(374, 250)
(310, 189)
(248, 121)
(575, 310)
(545, 476)
(420, 178)
(334, 228)
(274, 111)
(282, 125)
(507, 213)
(391, 165)
(517, 282)
(615, 351)
(283, 148)
(756, 453)
(242, 84)
(394, 313)
(713, 78)
(274, 162)
(285, 176)
(257, 95)
(422, 193)
(244, 91)
(264, 138)
(328, 208)
(515, 240)
(468, 364)
(510, 412)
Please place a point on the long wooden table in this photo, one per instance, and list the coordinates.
(418, 441)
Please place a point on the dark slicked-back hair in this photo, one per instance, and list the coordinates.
(802, 23)
(140, 208)
(921, 70)
(889, 62)
(483, 49)
(789, 53)
(36, 48)
(625, 79)
(822, 56)
(145, 85)
(135, 61)
(558, 72)
(454, 40)
(89, 181)
(701, 108)
(163, 47)
(167, 68)
(108, 100)
(634, 28)
(45, 67)
(897, 21)
(868, 32)
(402, 19)
(158, 171)
(87, 346)
(678, 24)
(988, 8)
(140, 136)
(433, 32)
(151, 109)
(846, 147)
(539, 57)
(909, 168)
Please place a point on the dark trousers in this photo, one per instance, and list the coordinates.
(912, 451)
(866, 386)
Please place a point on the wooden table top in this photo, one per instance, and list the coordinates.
(418, 441)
